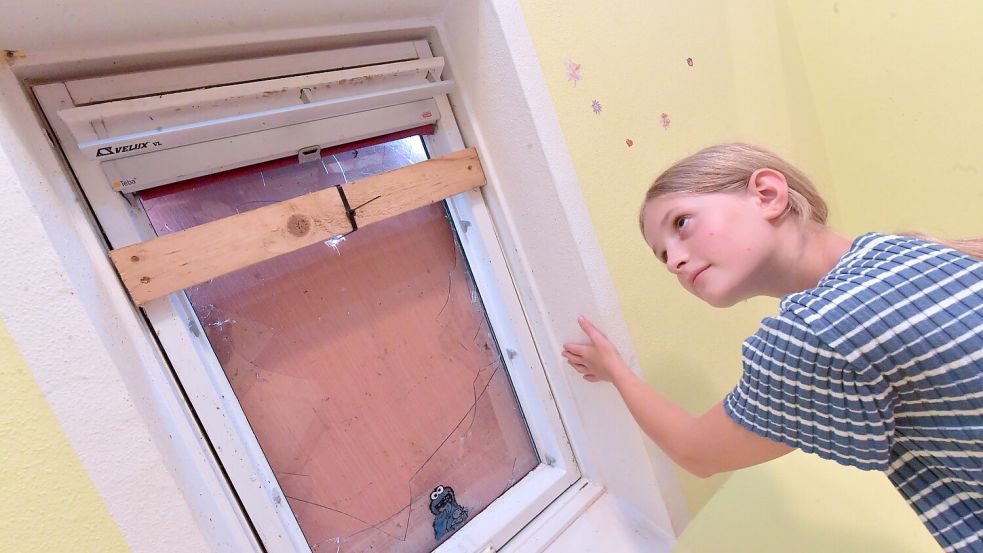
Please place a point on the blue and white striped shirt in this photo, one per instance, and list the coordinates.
(881, 367)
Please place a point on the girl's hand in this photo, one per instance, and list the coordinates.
(597, 361)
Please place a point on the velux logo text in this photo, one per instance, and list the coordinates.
(109, 150)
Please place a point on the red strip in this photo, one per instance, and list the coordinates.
(282, 162)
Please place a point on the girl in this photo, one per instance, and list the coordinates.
(875, 359)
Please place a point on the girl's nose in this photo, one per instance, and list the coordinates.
(675, 260)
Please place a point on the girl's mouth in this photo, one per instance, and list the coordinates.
(696, 275)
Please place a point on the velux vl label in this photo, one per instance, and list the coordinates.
(111, 150)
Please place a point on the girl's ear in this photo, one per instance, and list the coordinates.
(769, 190)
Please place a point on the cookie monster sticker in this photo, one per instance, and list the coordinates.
(448, 515)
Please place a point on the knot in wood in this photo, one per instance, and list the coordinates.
(298, 225)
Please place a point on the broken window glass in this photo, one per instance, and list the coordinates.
(364, 365)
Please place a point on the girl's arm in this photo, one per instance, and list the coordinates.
(702, 445)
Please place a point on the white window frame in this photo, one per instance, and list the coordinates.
(199, 371)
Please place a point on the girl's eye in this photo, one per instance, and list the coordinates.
(681, 222)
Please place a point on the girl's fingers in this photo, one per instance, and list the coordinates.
(579, 367)
(575, 348)
(575, 360)
(585, 325)
(589, 329)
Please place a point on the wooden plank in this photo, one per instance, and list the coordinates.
(422, 184)
(173, 262)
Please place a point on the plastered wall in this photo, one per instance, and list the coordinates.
(898, 89)
(50, 503)
(88, 429)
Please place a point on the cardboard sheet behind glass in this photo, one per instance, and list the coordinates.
(365, 366)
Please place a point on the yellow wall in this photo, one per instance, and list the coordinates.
(766, 509)
(878, 101)
(49, 503)
(633, 61)
(898, 86)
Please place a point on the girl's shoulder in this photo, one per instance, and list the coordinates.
(876, 255)
(883, 270)
(876, 248)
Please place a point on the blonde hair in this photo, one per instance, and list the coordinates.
(728, 167)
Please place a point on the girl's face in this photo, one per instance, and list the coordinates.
(718, 244)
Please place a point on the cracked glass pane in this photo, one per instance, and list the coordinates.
(365, 365)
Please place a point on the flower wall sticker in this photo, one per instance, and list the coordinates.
(665, 120)
(629, 142)
(689, 62)
(596, 106)
(573, 71)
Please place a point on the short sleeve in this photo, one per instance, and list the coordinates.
(800, 392)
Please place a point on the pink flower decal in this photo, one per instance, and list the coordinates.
(689, 62)
(596, 106)
(629, 142)
(665, 120)
(573, 72)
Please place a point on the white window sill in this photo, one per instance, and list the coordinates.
(588, 518)
(608, 525)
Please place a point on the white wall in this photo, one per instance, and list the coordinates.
(54, 303)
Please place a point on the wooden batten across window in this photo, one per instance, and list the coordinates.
(160, 266)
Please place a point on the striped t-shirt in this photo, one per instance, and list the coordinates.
(881, 367)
